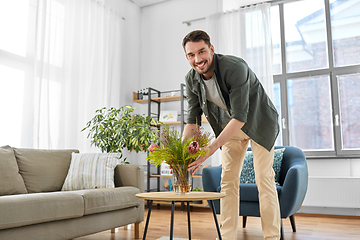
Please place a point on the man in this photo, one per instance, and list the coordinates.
(233, 100)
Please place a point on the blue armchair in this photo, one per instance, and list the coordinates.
(291, 189)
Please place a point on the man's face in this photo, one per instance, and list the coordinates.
(200, 57)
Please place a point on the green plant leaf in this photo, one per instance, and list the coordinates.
(114, 129)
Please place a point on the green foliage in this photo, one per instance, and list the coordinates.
(173, 151)
(113, 130)
(198, 189)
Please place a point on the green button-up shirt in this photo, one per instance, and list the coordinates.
(242, 94)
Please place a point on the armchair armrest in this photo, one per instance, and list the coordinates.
(211, 178)
(294, 189)
(129, 175)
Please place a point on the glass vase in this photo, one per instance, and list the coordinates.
(182, 179)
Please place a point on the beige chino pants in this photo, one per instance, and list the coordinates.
(233, 153)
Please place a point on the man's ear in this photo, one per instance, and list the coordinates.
(187, 57)
(212, 49)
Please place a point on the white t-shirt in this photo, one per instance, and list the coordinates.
(212, 94)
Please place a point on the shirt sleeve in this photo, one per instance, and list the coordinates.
(194, 109)
(239, 82)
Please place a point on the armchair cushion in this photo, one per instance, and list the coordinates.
(248, 173)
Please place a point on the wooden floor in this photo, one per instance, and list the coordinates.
(309, 227)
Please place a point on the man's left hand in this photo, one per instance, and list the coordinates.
(197, 163)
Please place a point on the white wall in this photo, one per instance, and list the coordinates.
(130, 47)
(130, 59)
(332, 196)
(163, 64)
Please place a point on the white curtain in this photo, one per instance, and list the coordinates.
(77, 70)
(246, 33)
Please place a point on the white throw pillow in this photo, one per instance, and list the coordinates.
(91, 170)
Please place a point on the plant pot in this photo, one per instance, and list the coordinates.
(182, 179)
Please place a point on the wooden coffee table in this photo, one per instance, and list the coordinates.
(171, 196)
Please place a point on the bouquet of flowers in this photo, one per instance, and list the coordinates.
(173, 151)
(179, 154)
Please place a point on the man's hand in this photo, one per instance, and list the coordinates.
(232, 127)
(197, 163)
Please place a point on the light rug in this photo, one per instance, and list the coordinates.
(168, 238)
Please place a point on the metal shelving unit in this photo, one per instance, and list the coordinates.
(154, 96)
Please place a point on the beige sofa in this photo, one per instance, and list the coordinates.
(33, 207)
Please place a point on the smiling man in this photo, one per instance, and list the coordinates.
(239, 111)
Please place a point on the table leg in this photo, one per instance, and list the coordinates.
(172, 220)
(188, 213)
(148, 218)
(212, 206)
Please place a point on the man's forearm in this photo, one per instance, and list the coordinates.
(231, 128)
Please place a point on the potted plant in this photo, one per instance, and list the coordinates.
(113, 130)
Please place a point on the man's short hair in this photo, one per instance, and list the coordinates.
(196, 36)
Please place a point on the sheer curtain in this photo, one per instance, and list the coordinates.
(246, 33)
(77, 70)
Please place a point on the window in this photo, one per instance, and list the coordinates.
(15, 12)
(345, 31)
(15, 67)
(17, 61)
(316, 46)
(278, 106)
(309, 113)
(12, 81)
(305, 35)
(349, 86)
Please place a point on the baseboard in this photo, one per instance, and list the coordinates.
(330, 211)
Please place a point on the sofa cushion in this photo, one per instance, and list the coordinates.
(109, 199)
(43, 170)
(248, 173)
(91, 170)
(11, 181)
(27, 209)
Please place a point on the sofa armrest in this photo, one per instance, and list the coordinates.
(130, 175)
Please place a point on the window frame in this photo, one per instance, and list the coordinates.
(331, 71)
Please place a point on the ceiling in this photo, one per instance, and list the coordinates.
(144, 3)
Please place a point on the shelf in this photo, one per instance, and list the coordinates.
(156, 99)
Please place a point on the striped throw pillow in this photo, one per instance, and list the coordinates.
(91, 170)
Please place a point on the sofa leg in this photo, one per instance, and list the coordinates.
(244, 221)
(292, 221)
(113, 230)
(139, 229)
